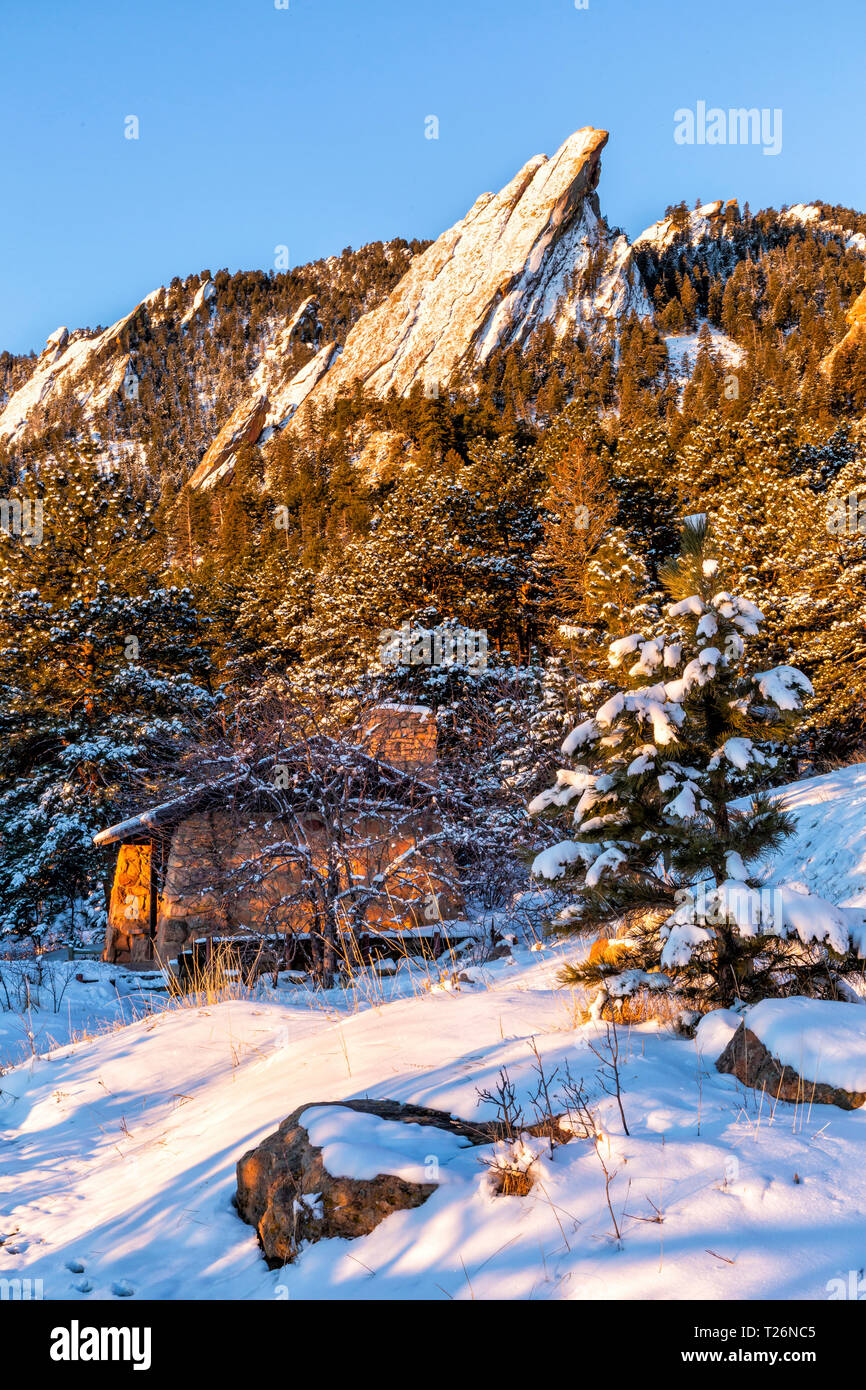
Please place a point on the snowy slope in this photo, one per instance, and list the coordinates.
(682, 346)
(118, 1152)
(118, 1159)
(827, 853)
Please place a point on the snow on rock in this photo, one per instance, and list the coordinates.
(705, 221)
(203, 295)
(360, 1146)
(809, 215)
(92, 365)
(822, 1040)
(67, 360)
(715, 1031)
(286, 399)
(271, 396)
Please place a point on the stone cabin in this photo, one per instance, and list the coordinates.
(220, 860)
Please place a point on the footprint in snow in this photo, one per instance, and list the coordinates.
(83, 1286)
(75, 1266)
(122, 1289)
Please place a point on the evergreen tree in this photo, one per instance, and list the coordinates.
(101, 673)
(656, 832)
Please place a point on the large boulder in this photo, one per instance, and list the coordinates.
(285, 1188)
(746, 1057)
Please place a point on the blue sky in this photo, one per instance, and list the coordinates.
(305, 126)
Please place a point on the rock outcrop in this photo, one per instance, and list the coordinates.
(537, 251)
(748, 1059)
(513, 262)
(91, 366)
(856, 335)
(287, 1193)
(272, 394)
(709, 220)
(243, 426)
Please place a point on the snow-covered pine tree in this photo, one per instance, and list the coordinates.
(661, 761)
(102, 678)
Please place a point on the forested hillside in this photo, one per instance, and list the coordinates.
(534, 499)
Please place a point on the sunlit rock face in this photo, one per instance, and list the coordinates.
(516, 260)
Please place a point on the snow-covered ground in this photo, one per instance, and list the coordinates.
(118, 1150)
(827, 854)
(682, 346)
(46, 1002)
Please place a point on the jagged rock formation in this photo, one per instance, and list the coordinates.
(538, 251)
(512, 263)
(72, 359)
(271, 396)
(200, 350)
(229, 360)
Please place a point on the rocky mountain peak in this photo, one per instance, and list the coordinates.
(536, 251)
(486, 282)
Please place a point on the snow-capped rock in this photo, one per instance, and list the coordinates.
(810, 215)
(705, 221)
(203, 295)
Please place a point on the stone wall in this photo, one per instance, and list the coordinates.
(224, 876)
(128, 932)
(402, 735)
